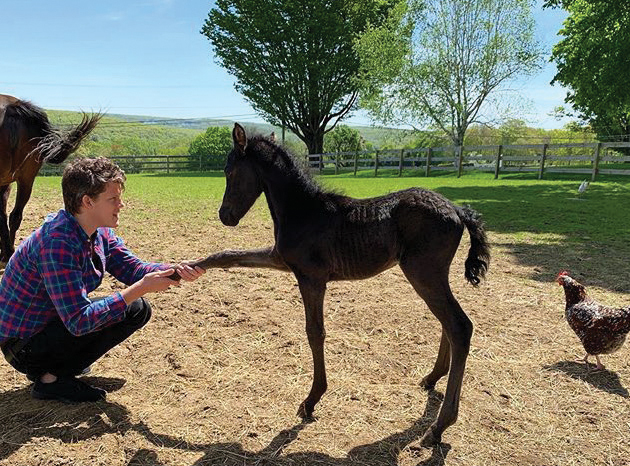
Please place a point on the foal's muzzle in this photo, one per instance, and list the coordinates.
(227, 217)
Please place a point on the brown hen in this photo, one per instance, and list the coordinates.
(601, 329)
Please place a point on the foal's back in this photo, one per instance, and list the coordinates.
(371, 235)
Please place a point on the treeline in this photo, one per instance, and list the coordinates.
(115, 137)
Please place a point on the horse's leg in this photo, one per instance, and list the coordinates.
(313, 296)
(442, 364)
(23, 194)
(5, 244)
(265, 257)
(436, 292)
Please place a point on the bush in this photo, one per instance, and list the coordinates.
(209, 150)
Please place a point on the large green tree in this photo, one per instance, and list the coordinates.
(447, 59)
(294, 61)
(593, 61)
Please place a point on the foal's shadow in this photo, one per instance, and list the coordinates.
(384, 452)
(24, 418)
(605, 380)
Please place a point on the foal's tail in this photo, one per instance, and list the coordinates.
(56, 146)
(479, 253)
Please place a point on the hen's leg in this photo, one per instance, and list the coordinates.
(600, 366)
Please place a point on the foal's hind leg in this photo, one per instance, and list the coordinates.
(313, 292)
(457, 328)
(442, 364)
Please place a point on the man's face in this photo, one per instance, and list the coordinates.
(105, 207)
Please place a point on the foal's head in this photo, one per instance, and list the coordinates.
(242, 183)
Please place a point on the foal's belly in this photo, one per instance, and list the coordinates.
(362, 251)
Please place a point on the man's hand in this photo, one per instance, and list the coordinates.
(188, 273)
(157, 281)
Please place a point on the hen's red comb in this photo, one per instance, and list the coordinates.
(563, 273)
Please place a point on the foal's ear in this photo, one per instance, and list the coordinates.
(239, 137)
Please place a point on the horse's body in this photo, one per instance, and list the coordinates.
(322, 236)
(27, 140)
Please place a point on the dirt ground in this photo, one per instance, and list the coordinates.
(217, 375)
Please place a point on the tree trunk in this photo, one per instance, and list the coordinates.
(314, 141)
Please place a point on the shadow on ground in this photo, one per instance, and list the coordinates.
(24, 419)
(604, 380)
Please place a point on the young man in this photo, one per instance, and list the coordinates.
(49, 329)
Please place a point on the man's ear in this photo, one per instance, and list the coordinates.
(86, 202)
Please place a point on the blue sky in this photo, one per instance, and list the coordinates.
(147, 57)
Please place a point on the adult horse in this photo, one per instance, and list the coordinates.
(322, 236)
(27, 140)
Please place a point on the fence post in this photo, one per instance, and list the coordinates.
(200, 158)
(376, 164)
(168, 170)
(356, 160)
(336, 163)
(596, 160)
(402, 157)
(542, 161)
(321, 163)
(498, 164)
(460, 160)
(428, 167)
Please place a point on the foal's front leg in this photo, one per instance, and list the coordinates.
(262, 258)
(313, 292)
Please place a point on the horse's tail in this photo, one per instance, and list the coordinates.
(479, 253)
(56, 146)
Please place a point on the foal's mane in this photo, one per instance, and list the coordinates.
(278, 156)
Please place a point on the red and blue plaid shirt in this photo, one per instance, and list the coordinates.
(53, 271)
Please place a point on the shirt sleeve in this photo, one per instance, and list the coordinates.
(122, 263)
(62, 274)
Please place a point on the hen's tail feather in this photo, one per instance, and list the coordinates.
(478, 260)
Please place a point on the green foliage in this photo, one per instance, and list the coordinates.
(294, 61)
(593, 61)
(343, 139)
(211, 148)
(458, 54)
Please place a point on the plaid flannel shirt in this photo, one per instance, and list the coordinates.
(53, 271)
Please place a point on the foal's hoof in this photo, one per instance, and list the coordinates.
(427, 384)
(430, 439)
(305, 412)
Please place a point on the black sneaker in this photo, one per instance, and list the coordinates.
(67, 390)
(35, 378)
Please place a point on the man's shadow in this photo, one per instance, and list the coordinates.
(24, 418)
(604, 380)
(384, 452)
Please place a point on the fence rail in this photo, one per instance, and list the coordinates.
(609, 158)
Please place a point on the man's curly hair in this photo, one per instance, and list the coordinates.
(86, 176)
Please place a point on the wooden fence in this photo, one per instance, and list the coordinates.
(148, 164)
(612, 158)
(609, 158)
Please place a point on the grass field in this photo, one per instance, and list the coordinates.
(216, 377)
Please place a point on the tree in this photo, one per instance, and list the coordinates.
(447, 59)
(294, 61)
(593, 61)
(343, 139)
(211, 147)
